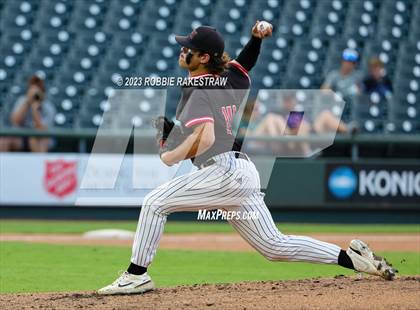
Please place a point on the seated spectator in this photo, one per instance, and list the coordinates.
(31, 111)
(376, 80)
(344, 81)
(326, 122)
(275, 122)
(278, 123)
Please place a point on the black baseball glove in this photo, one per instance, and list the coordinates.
(169, 135)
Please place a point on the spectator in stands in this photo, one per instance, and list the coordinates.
(31, 111)
(275, 122)
(326, 121)
(376, 81)
(280, 122)
(345, 80)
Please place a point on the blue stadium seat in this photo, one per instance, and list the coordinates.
(402, 127)
(191, 14)
(50, 20)
(296, 17)
(394, 19)
(361, 21)
(18, 14)
(157, 17)
(83, 47)
(124, 17)
(88, 16)
(328, 19)
(415, 23)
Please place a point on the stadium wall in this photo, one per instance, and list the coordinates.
(386, 190)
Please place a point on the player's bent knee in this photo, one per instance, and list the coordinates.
(276, 258)
(269, 257)
(152, 204)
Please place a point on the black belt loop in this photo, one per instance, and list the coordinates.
(211, 161)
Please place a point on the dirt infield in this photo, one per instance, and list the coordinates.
(226, 241)
(338, 293)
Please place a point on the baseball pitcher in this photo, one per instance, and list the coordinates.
(226, 178)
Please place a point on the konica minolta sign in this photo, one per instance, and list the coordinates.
(364, 182)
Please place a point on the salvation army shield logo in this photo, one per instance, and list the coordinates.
(60, 177)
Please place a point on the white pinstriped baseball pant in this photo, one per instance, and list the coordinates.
(229, 184)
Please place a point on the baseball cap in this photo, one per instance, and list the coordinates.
(350, 55)
(203, 38)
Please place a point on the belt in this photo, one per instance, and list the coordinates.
(211, 161)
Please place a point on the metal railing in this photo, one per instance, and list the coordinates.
(84, 135)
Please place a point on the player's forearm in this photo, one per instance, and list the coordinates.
(192, 146)
(249, 54)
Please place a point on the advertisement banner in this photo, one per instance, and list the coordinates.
(63, 179)
(392, 183)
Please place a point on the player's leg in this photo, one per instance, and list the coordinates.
(203, 189)
(263, 235)
(153, 214)
(210, 188)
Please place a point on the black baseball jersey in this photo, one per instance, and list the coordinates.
(216, 104)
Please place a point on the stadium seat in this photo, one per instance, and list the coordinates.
(157, 16)
(83, 47)
(191, 14)
(268, 10)
(361, 21)
(394, 19)
(296, 17)
(328, 17)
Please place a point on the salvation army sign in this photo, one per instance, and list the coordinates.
(60, 178)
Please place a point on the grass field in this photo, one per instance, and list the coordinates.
(27, 267)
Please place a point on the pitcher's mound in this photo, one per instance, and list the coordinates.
(338, 293)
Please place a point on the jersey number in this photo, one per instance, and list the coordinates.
(229, 113)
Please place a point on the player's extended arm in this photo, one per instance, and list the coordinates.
(249, 54)
(201, 139)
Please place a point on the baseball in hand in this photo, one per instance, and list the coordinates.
(262, 29)
(263, 26)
